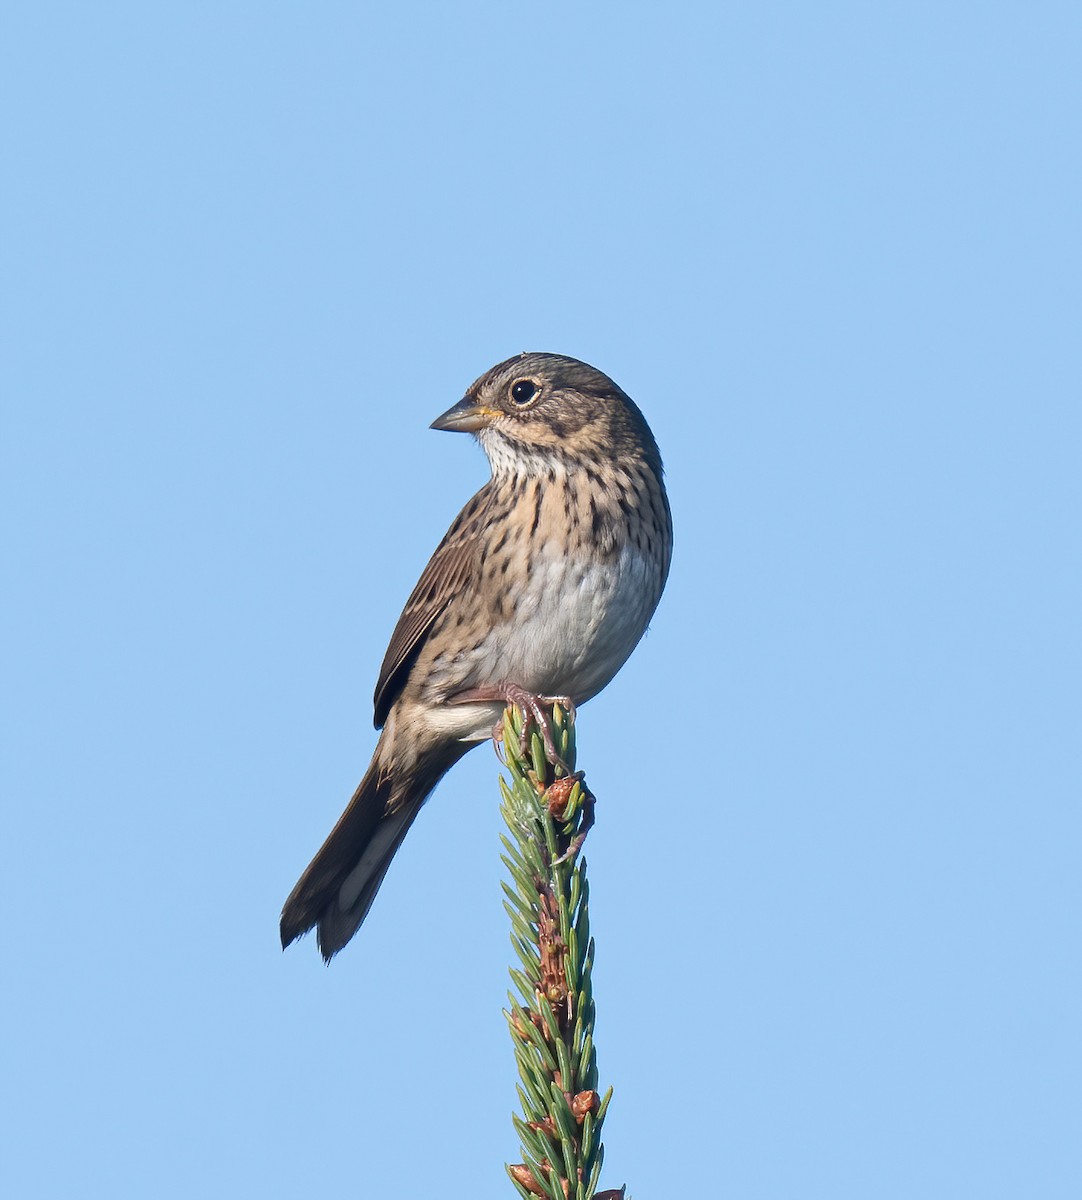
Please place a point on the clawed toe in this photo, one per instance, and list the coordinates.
(587, 824)
(532, 709)
(537, 708)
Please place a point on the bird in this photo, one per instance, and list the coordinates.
(541, 588)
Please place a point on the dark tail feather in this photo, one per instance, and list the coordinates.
(338, 887)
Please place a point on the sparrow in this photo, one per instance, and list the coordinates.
(541, 588)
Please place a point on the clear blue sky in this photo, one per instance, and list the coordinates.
(249, 251)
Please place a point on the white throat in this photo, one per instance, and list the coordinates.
(510, 460)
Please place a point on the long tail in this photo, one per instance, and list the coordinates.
(339, 884)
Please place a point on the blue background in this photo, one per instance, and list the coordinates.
(832, 250)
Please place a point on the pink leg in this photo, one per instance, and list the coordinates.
(534, 706)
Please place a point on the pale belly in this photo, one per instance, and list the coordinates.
(574, 626)
(577, 623)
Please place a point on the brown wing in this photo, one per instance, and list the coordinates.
(448, 573)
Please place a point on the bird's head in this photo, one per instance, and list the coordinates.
(536, 411)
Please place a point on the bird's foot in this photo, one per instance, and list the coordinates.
(557, 796)
(539, 708)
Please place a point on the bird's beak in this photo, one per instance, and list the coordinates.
(465, 417)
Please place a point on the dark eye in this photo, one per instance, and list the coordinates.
(523, 391)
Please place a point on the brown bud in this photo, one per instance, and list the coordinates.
(523, 1175)
(558, 794)
(553, 949)
(583, 1103)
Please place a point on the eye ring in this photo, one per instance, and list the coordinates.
(523, 392)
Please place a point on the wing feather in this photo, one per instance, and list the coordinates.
(449, 572)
